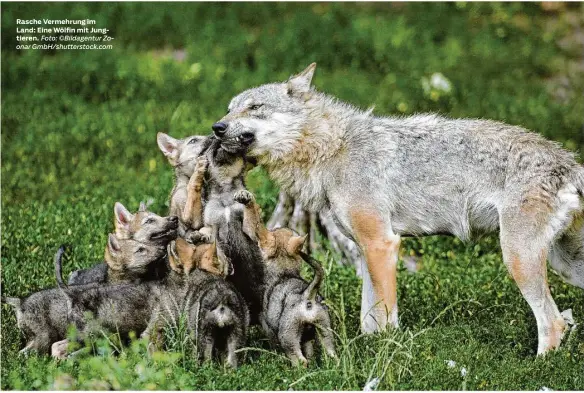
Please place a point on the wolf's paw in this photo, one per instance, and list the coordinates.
(244, 197)
(196, 237)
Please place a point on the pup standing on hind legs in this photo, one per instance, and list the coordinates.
(292, 312)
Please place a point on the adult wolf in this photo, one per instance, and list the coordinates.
(387, 177)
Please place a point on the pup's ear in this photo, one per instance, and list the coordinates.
(143, 207)
(173, 260)
(224, 264)
(123, 217)
(209, 261)
(300, 84)
(113, 244)
(295, 244)
(185, 253)
(169, 146)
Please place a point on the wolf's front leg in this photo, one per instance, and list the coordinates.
(380, 247)
(253, 225)
(192, 214)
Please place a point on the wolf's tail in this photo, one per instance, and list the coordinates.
(13, 301)
(312, 290)
(58, 267)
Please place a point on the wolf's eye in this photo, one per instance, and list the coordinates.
(255, 106)
(192, 141)
(149, 221)
(140, 250)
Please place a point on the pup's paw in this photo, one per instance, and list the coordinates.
(244, 197)
(59, 349)
(196, 237)
(201, 165)
(198, 176)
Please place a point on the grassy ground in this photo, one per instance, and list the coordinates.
(78, 134)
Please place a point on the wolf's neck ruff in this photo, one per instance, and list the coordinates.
(314, 149)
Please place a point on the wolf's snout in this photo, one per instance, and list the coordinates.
(219, 129)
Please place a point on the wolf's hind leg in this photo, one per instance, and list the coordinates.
(30, 346)
(206, 351)
(326, 338)
(308, 348)
(525, 244)
(233, 344)
(289, 336)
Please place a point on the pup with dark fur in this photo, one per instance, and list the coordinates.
(217, 315)
(225, 176)
(292, 313)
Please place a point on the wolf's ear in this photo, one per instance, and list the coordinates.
(186, 254)
(295, 244)
(143, 207)
(209, 261)
(169, 146)
(300, 84)
(113, 244)
(123, 217)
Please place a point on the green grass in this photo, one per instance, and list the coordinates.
(78, 134)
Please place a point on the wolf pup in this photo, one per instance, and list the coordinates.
(292, 312)
(137, 237)
(387, 177)
(42, 317)
(115, 308)
(131, 261)
(226, 172)
(183, 155)
(217, 314)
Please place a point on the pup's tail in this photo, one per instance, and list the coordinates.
(58, 267)
(13, 301)
(312, 290)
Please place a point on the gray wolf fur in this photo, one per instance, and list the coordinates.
(217, 315)
(292, 311)
(126, 260)
(43, 317)
(128, 254)
(222, 173)
(387, 177)
(115, 308)
(226, 173)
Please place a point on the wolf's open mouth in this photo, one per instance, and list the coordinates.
(246, 138)
(239, 143)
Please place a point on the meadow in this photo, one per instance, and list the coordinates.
(79, 133)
